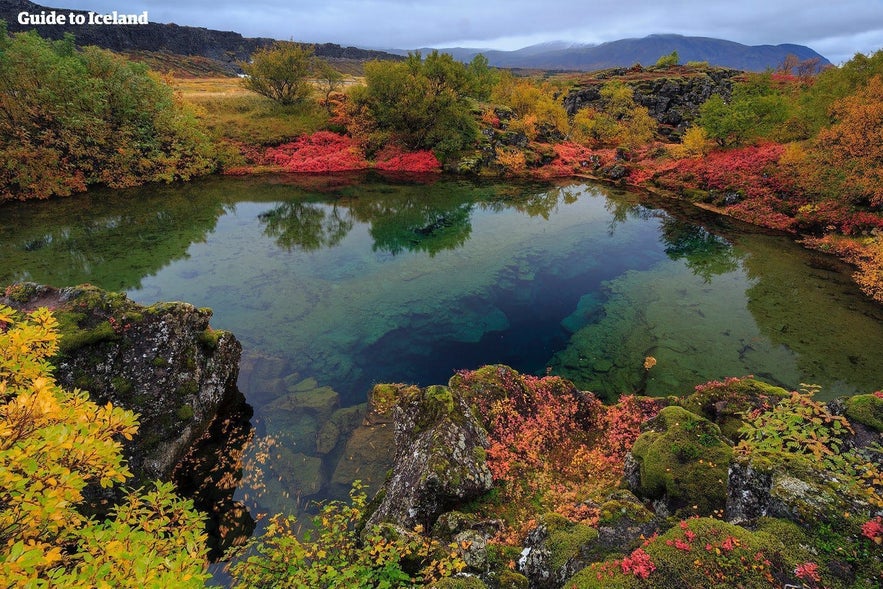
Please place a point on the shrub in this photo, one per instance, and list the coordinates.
(74, 118)
(335, 555)
(280, 72)
(53, 444)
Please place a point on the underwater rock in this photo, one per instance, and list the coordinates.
(164, 362)
(369, 448)
(440, 454)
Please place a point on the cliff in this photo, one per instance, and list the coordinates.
(226, 47)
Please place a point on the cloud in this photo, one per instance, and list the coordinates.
(835, 29)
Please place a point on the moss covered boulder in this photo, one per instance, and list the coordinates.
(725, 402)
(554, 550)
(162, 361)
(681, 461)
(439, 459)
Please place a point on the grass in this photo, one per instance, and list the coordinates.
(230, 111)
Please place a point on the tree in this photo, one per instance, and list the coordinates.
(329, 79)
(418, 103)
(756, 109)
(53, 444)
(71, 118)
(672, 59)
(280, 72)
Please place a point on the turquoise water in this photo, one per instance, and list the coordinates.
(347, 281)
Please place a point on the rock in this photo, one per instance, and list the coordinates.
(369, 449)
(163, 362)
(554, 551)
(300, 474)
(682, 460)
(673, 101)
(440, 455)
(807, 496)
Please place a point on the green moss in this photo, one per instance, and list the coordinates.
(185, 412)
(121, 385)
(684, 458)
(209, 337)
(623, 504)
(479, 453)
(187, 388)
(73, 337)
(725, 403)
(508, 579)
(566, 542)
(459, 583)
(866, 410)
(159, 362)
(21, 292)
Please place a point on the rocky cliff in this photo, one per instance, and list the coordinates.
(672, 95)
(163, 361)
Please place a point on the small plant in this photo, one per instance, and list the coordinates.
(335, 555)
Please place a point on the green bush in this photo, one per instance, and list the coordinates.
(78, 117)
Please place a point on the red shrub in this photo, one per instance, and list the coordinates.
(322, 151)
(418, 161)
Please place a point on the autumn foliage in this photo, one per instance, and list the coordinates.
(549, 442)
(54, 444)
(322, 151)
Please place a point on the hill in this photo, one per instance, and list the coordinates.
(646, 50)
(225, 47)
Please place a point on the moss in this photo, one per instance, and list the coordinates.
(185, 412)
(121, 385)
(208, 338)
(508, 579)
(73, 337)
(459, 583)
(566, 543)
(866, 410)
(724, 403)
(160, 362)
(187, 388)
(479, 453)
(21, 292)
(624, 505)
(684, 458)
(701, 552)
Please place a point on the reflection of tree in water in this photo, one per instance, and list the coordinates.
(436, 219)
(426, 229)
(705, 253)
(307, 226)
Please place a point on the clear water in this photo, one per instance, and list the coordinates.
(333, 284)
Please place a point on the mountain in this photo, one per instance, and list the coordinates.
(646, 50)
(226, 47)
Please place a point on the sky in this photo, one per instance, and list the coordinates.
(838, 29)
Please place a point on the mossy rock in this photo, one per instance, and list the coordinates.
(459, 583)
(301, 474)
(568, 542)
(724, 403)
(683, 459)
(511, 580)
(866, 410)
(623, 504)
(700, 552)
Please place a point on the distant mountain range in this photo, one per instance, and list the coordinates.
(228, 47)
(559, 55)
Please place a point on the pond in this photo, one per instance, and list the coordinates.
(336, 283)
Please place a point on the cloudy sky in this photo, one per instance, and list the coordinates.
(835, 28)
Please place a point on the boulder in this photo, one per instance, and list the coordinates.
(162, 361)
(680, 461)
(439, 459)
